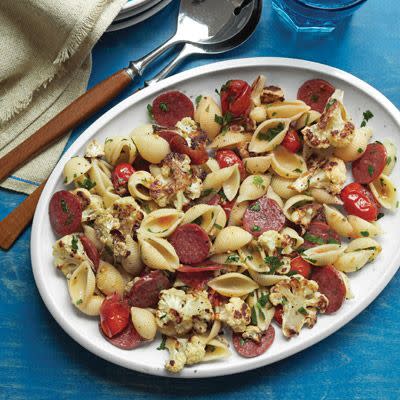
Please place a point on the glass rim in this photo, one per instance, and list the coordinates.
(341, 8)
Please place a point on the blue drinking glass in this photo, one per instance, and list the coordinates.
(315, 15)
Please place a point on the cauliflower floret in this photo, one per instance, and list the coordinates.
(128, 213)
(236, 314)
(252, 332)
(187, 127)
(68, 254)
(270, 241)
(288, 240)
(300, 300)
(332, 129)
(193, 191)
(184, 352)
(183, 311)
(91, 203)
(305, 214)
(272, 94)
(94, 150)
(329, 174)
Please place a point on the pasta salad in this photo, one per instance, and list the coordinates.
(222, 218)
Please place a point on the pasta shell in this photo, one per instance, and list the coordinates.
(307, 119)
(142, 130)
(227, 259)
(253, 258)
(144, 322)
(365, 243)
(324, 197)
(231, 238)
(357, 147)
(338, 222)
(266, 279)
(92, 306)
(205, 215)
(292, 110)
(268, 135)
(391, 157)
(281, 186)
(287, 164)
(295, 202)
(158, 253)
(233, 284)
(353, 261)
(257, 89)
(139, 184)
(205, 114)
(152, 148)
(228, 178)
(384, 191)
(257, 165)
(81, 285)
(258, 114)
(215, 350)
(237, 212)
(362, 228)
(220, 221)
(212, 165)
(229, 139)
(253, 187)
(323, 255)
(119, 149)
(100, 175)
(273, 196)
(109, 280)
(75, 168)
(214, 331)
(132, 263)
(161, 223)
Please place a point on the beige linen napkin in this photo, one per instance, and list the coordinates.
(45, 64)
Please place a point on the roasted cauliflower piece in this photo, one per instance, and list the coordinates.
(300, 300)
(128, 212)
(305, 214)
(236, 314)
(272, 94)
(181, 312)
(288, 241)
(91, 204)
(184, 352)
(252, 332)
(69, 253)
(94, 150)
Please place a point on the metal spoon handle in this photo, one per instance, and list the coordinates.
(186, 51)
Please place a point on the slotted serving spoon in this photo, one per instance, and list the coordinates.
(242, 28)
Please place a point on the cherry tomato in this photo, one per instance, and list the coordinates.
(359, 201)
(301, 266)
(235, 98)
(114, 315)
(292, 141)
(227, 158)
(120, 177)
(278, 315)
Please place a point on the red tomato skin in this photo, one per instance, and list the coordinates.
(120, 177)
(301, 266)
(235, 98)
(358, 201)
(114, 315)
(227, 158)
(292, 141)
(278, 314)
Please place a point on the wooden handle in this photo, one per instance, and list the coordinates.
(15, 222)
(78, 111)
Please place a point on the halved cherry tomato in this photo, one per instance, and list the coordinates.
(292, 141)
(235, 98)
(359, 201)
(301, 266)
(179, 145)
(120, 177)
(114, 315)
(227, 158)
(278, 315)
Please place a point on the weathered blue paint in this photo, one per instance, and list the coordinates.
(361, 361)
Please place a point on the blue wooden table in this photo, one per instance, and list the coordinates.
(361, 361)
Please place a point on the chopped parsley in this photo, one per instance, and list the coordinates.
(255, 228)
(198, 99)
(232, 258)
(370, 170)
(330, 103)
(258, 181)
(162, 344)
(207, 192)
(360, 150)
(271, 133)
(218, 226)
(273, 262)
(313, 239)
(87, 184)
(255, 207)
(65, 180)
(109, 140)
(367, 115)
(389, 160)
(263, 300)
(198, 220)
(163, 107)
(80, 301)
(303, 311)
(74, 243)
(310, 260)
(333, 241)
(253, 316)
(364, 233)
(224, 121)
(298, 170)
(241, 341)
(292, 272)
(380, 215)
(314, 98)
(150, 111)
(64, 206)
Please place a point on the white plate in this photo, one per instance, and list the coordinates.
(138, 18)
(132, 4)
(288, 74)
(138, 10)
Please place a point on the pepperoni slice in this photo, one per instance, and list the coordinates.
(331, 285)
(91, 251)
(263, 215)
(195, 280)
(249, 348)
(145, 292)
(319, 233)
(114, 315)
(127, 339)
(315, 93)
(199, 269)
(171, 107)
(65, 213)
(278, 314)
(371, 164)
(191, 243)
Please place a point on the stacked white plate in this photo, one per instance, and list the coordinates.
(135, 11)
